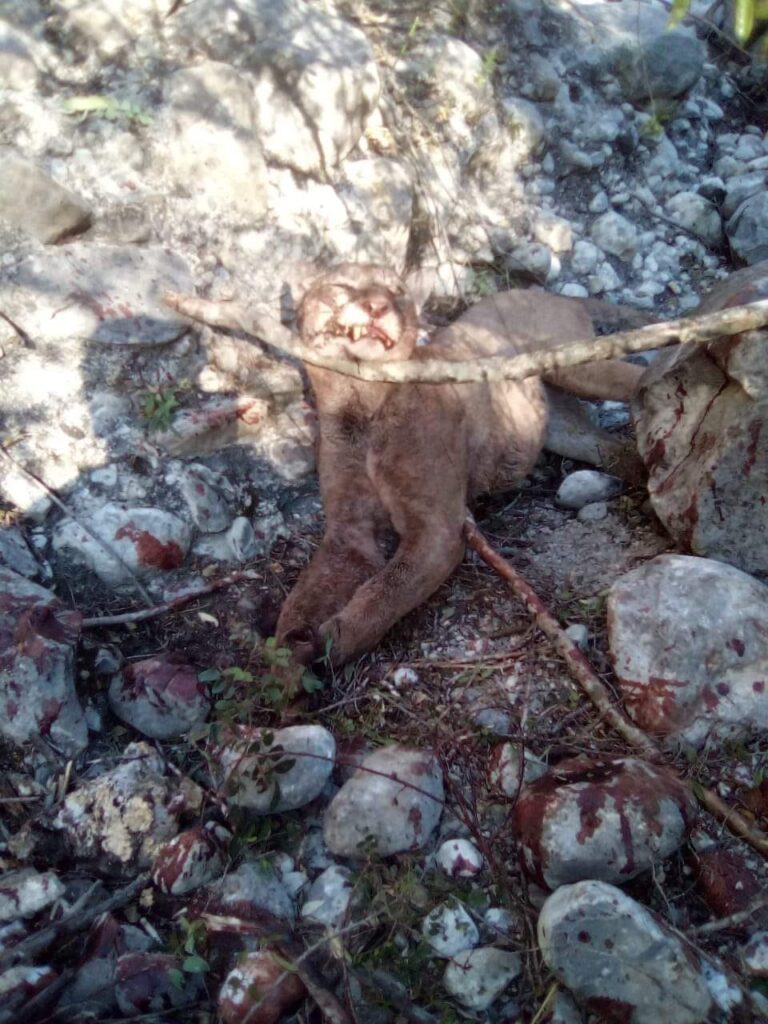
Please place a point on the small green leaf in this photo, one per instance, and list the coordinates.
(310, 683)
(195, 965)
(209, 675)
(176, 977)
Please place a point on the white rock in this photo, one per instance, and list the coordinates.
(754, 955)
(448, 929)
(459, 858)
(26, 892)
(579, 634)
(391, 804)
(329, 897)
(586, 486)
(594, 512)
(282, 775)
(615, 235)
(609, 950)
(477, 977)
(691, 210)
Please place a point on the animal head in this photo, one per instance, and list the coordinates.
(359, 311)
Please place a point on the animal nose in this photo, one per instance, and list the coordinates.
(375, 307)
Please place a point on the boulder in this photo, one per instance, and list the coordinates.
(689, 648)
(701, 431)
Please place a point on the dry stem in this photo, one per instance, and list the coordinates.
(585, 676)
(693, 329)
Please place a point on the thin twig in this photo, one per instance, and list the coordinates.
(173, 604)
(585, 676)
(72, 922)
(693, 329)
(739, 917)
(105, 545)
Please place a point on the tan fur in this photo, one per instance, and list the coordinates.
(401, 461)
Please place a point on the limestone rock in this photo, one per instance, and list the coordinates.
(161, 697)
(610, 951)
(33, 201)
(105, 293)
(272, 772)
(700, 418)
(391, 804)
(610, 820)
(314, 77)
(689, 663)
(120, 818)
(146, 540)
(37, 666)
(206, 139)
(477, 977)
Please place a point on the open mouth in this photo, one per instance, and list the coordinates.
(360, 332)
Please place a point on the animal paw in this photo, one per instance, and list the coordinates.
(303, 643)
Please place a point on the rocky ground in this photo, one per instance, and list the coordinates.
(446, 829)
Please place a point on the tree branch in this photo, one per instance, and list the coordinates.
(692, 329)
(585, 676)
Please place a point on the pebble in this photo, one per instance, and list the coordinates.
(448, 929)
(476, 978)
(391, 804)
(586, 486)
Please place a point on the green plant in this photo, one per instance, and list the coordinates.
(108, 107)
(158, 407)
(193, 938)
(490, 65)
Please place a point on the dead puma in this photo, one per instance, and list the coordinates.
(405, 459)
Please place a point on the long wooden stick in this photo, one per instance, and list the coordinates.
(585, 676)
(693, 329)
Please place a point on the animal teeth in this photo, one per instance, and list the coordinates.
(357, 332)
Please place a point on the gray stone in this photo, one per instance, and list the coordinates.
(145, 540)
(26, 892)
(104, 293)
(391, 804)
(459, 858)
(34, 202)
(739, 188)
(610, 951)
(664, 67)
(586, 486)
(37, 667)
(120, 819)
(594, 512)
(524, 123)
(747, 229)
(18, 69)
(477, 977)
(205, 139)
(448, 929)
(689, 648)
(697, 214)
(191, 859)
(314, 75)
(700, 415)
(207, 494)
(615, 235)
(15, 554)
(253, 887)
(161, 697)
(754, 955)
(282, 775)
(329, 897)
(610, 820)
(529, 262)
(107, 27)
